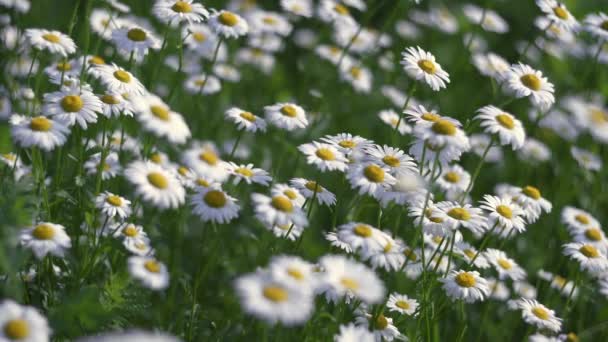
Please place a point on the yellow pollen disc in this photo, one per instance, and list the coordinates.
(41, 124)
(531, 192)
(540, 312)
(199, 37)
(444, 127)
(289, 110)
(114, 200)
(290, 194)
(181, 7)
(282, 203)
(313, 186)
(598, 116)
(505, 121)
(388, 247)
(571, 337)
(158, 180)
(362, 230)
(209, 157)
(355, 72)
(432, 117)
(284, 226)
(427, 66)
(182, 170)
(436, 219)
(17, 329)
(451, 177)
(437, 239)
(465, 279)
(228, 18)
(64, 66)
(130, 231)
(105, 167)
(325, 154)
(341, 9)
(561, 13)
(43, 232)
(391, 161)
(50, 37)
(275, 293)
(469, 253)
(9, 156)
(244, 171)
(137, 35)
(122, 76)
(504, 211)
(374, 173)
(381, 322)
(349, 283)
(604, 25)
(410, 254)
(531, 81)
(109, 99)
(71, 103)
(160, 112)
(152, 266)
(97, 60)
(589, 251)
(295, 273)
(248, 116)
(199, 83)
(401, 304)
(269, 20)
(202, 182)
(156, 158)
(593, 234)
(459, 214)
(141, 246)
(582, 219)
(504, 264)
(215, 199)
(347, 143)
(334, 50)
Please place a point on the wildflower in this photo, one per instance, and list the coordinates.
(114, 105)
(351, 333)
(119, 80)
(595, 23)
(510, 130)
(402, 304)
(156, 117)
(174, 12)
(291, 193)
(455, 215)
(503, 214)
(539, 315)
(454, 179)
(202, 84)
(155, 184)
(228, 24)
(471, 255)
(391, 118)
(134, 39)
(525, 81)
(268, 23)
(150, 272)
(71, 105)
(22, 323)
(132, 236)
(324, 156)
(558, 14)
(506, 267)
(589, 256)
(213, 204)
(113, 205)
(466, 285)
(441, 134)
(110, 168)
(248, 173)
(359, 77)
(331, 11)
(369, 178)
(345, 277)
(587, 160)
(294, 271)
(205, 161)
(245, 120)
(381, 326)
(53, 41)
(491, 65)
(397, 161)
(130, 335)
(287, 116)
(277, 210)
(42, 132)
(531, 201)
(45, 238)
(421, 65)
(308, 189)
(301, 8)
(490, 20)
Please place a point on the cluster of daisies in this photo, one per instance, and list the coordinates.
(85, 113)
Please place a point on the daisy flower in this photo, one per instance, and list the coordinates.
(402, 304)
(263, 296)
(381, 326)
(46, 238)
(508, 128)
(307, 188)
(391, 118)
(119, 80)
(278, 210)
(346, 277)
(596, 24)
(202, 41)
(110, 168)
(558, 14)
(503, 214)
(228, 24)
(248, 173)
(421, 65)
(455, 215)
(53, 41)
(506, 267)
(324, 156)
(290, 192)
(72, 105)
(103, 22)
(531, 201)
(369, 178)
(294, 271)
(525, 81)
(391, 256)
(466, 285)
(114, 105)
(587, 160)
(578, 220)
(132, 236)
(134, 39)
(588, 256)
(397, 161)
(245, 120)
(352, 333)
(42, 132)
(157, 118)
(539, 315)
(470, 254)
(202, 84)
(113, 205)
(361, 236)
(287, 116)
(592, 236)
(22, 323)
(491, 65)
(174, 12)
(63, 67)
(441, 134)
(534, 151)
(331, 11)
(360, 78)
(155, 184)
(205, 161)
(420, 115)
(150, 272)
(268, 23)
(488, 19)
(454, 179)
(131, 335)
(350, 145)
(288, 231)
(301, 8)
(213, 204)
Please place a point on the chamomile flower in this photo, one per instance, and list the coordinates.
(534, 151)
(308, 188)
(454, 179)
(202, 84)
(470, 254)
(266, 22)
(22, 323)
(46, 238)
(41, 132)
(205, 161)
(248, 173)
(466, 285)
(174, 12)
(503, 214)
(491, 65)
(488, 19)
(53, 41)
(370, 178)
(361, 236)
(132, 336)
(455, 215)
(346, 277)
(381, 326)
(527, 82)
(394, 159)
(352, 333)
(245, 120)
(288, 231)
(324, 156)
(287, 116)
(294, 271)
(596, 23)
(103, 22)
(421, 65)
(588, 256)
(112, 205)
(150, 272)
(278, 210)
(114, 105)
(214, 204)
(72, 105)
(301, 8)
(391, 118)
(558, 14)
(587, 160)
(109, 169)
(119, 80)
(506, 267)
(443, 133)
(402, 304)
(131, 234)
(331, 11)
(134, 39)
(290, 192)
(531, 201)
(63, 68)
(155, 184)
(350, 145)
(538, 315)
(157, 118)
(227, 24)
(509, 129)
(359, 77)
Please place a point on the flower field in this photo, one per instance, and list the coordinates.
(299, 170)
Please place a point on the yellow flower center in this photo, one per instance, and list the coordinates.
(282, 203)
(158, 180)
(290, 194)
(109, 99)
(469, 253)
(432, 117)
(325, 154)
(452, 177)
(209, 157)
(604, 25)
(199, 83)
(381, 322)
(571, 337)
(244, 171)
(540, 312)
(437, 239)
(275, 293)
(313, 186)
(355, 72)
(122, 76)
(114, 200)
(199, 37)
(71, 103)
(593, 234)
(341, 9)
(182, 170)
(270, 21)
(531, 192)
(347, 143)
(41, 124)
(504, 211)
(17, 329)
(289, 110)
(465, 279)
(152, 266)
(388, 247)
(459, 214)
(374, 173)
(156, 158)
(444, 127)
(44, 232)
(505, 121)
(130, 231)
(64, 66)
(598, 116)
(228, 18)
(215, 199)
(50, 37)
(401, 304)
(589, 251)
(181, 7)
(349, 283)
(561, 13)
(248, 116)
(504, 264)
(363, 230)
(97, 60)
(391, 161)
(137, 35)
(9, 156)
(582, 219)
(531, 81)
(295, 273)
(410, 254)
(202, 182)
(427, 66)
(160, 112)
